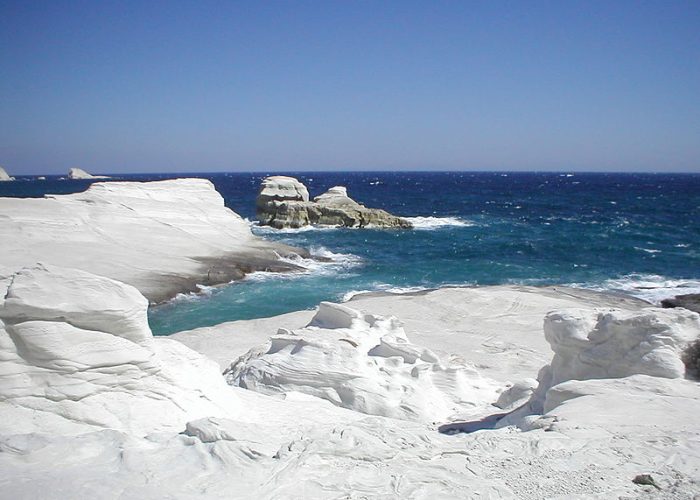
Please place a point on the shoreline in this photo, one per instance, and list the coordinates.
(162, 237)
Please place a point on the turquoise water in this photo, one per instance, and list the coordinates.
(635, 233)
(639, 234)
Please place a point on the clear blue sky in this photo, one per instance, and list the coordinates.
(171, 86)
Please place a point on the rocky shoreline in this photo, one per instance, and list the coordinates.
(164, 237)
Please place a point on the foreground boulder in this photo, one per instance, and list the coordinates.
(92, 405)
(609, 344)
(283, 202)
(4, 176)
(79, 173)
(77, 353)
(365, 363)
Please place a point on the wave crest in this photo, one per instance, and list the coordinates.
(650, 287)
(431, 222)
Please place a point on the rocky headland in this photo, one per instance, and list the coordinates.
(284, 202)
(4, 176)
(79, 173)
(163, 237)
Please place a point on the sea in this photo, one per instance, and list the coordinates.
(631, 233)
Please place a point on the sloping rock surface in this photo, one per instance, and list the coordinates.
(162, 237)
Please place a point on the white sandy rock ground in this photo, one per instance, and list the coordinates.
(161, 237)
(92, 406)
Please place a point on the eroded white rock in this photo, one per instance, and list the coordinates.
(280, 188)
(609, 344)
(365, 363)
(77, 354)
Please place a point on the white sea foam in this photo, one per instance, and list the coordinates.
(649, 287)
(437, 222)
(648, 250)
(336, 263)
(202, 291)
(399, 290)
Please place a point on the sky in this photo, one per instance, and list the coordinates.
(205, 86)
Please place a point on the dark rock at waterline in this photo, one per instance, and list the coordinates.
(689, 301)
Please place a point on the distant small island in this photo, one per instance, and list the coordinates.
(284, 202)
(79, 173)
(4, 176)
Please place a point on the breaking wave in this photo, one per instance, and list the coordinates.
(438, 222)
(650, 287)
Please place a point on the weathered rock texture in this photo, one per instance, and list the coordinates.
(283, 202)
(363, 362)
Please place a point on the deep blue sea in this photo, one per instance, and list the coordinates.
(632, 233)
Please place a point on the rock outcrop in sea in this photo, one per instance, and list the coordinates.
(4, 176)
(284, 202)
(79, 173)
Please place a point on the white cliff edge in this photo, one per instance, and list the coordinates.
(162, 237)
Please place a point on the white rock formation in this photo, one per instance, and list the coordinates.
(282, 188)
(108, 430)
(4, 176)
(592, 344)
(161, 237)
(337, 195)
(77, 354)
(615, 344)
(468, 323)
(365, 363)
(79, 173)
